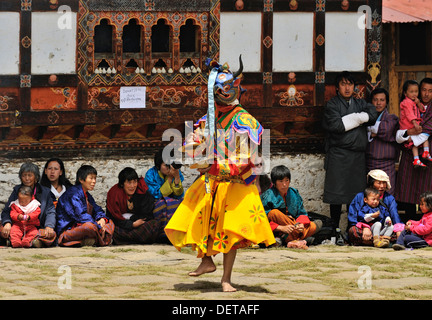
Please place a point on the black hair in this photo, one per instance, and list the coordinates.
(370, 182)
(127, 174)
(427, 198)
(25, 190)
(83, 172)
(62, 178)
(158, 159)
(171, 161)
(344, 75)
(378, 91)
(264, 182)
(426, 80)
(279, 173)
(405, 88)
(368, 191)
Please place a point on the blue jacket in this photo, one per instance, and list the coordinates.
(47, 218)
(154, 182)
(293, 203)
(72, 209)
(389, 210)
(366, 209)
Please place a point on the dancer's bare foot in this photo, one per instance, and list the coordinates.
(227, 287)
(228, 263)
(206, 266)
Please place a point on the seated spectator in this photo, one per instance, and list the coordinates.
(163, 180)
(418, 234)
(29, 176)
(165, 185)
(374, 216)
(25, 213)
(54, 178)
(360, 234)
(284, 207)
(130, 206)
(80, 221)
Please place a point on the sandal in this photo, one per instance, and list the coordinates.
(418, 164)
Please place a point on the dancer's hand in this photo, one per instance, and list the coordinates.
(204, 170)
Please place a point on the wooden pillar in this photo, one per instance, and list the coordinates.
(393, 75)
(25, 57)
(319, 56)
(267, 59)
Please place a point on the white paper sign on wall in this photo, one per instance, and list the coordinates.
(132, 97)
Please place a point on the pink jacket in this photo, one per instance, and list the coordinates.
(408, 112)
(423, 227)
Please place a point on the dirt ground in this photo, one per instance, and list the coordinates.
(159, 272)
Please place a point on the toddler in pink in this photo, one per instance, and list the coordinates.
(410, 117)
(24, 213)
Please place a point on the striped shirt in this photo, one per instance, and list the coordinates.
(411, 182)
(383, 151)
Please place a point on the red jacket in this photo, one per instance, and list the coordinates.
(16, 211)
(423, 227)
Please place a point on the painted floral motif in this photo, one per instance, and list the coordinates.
(204, 243)
(200, 217)
(257, 214)
(213, 222)
(221, 240)
(4, 105)
(292, 97)
(245, 230)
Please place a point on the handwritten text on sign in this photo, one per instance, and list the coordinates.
(132, 97)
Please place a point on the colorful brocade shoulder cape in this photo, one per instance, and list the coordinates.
(233, 122)
(239, 120)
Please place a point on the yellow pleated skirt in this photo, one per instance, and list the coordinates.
(231, 216)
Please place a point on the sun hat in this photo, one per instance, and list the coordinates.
(380, 176)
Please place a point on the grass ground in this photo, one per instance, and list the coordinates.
(159, 272)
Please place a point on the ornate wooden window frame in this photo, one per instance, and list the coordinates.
(172, 98)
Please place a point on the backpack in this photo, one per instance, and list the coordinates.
(327, 231)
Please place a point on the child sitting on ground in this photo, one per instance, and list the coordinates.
(375, 216)
(24, 213)
(285, 211)
(418, 234)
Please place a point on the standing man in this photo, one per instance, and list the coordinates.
(345, 120)
(411, 182)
